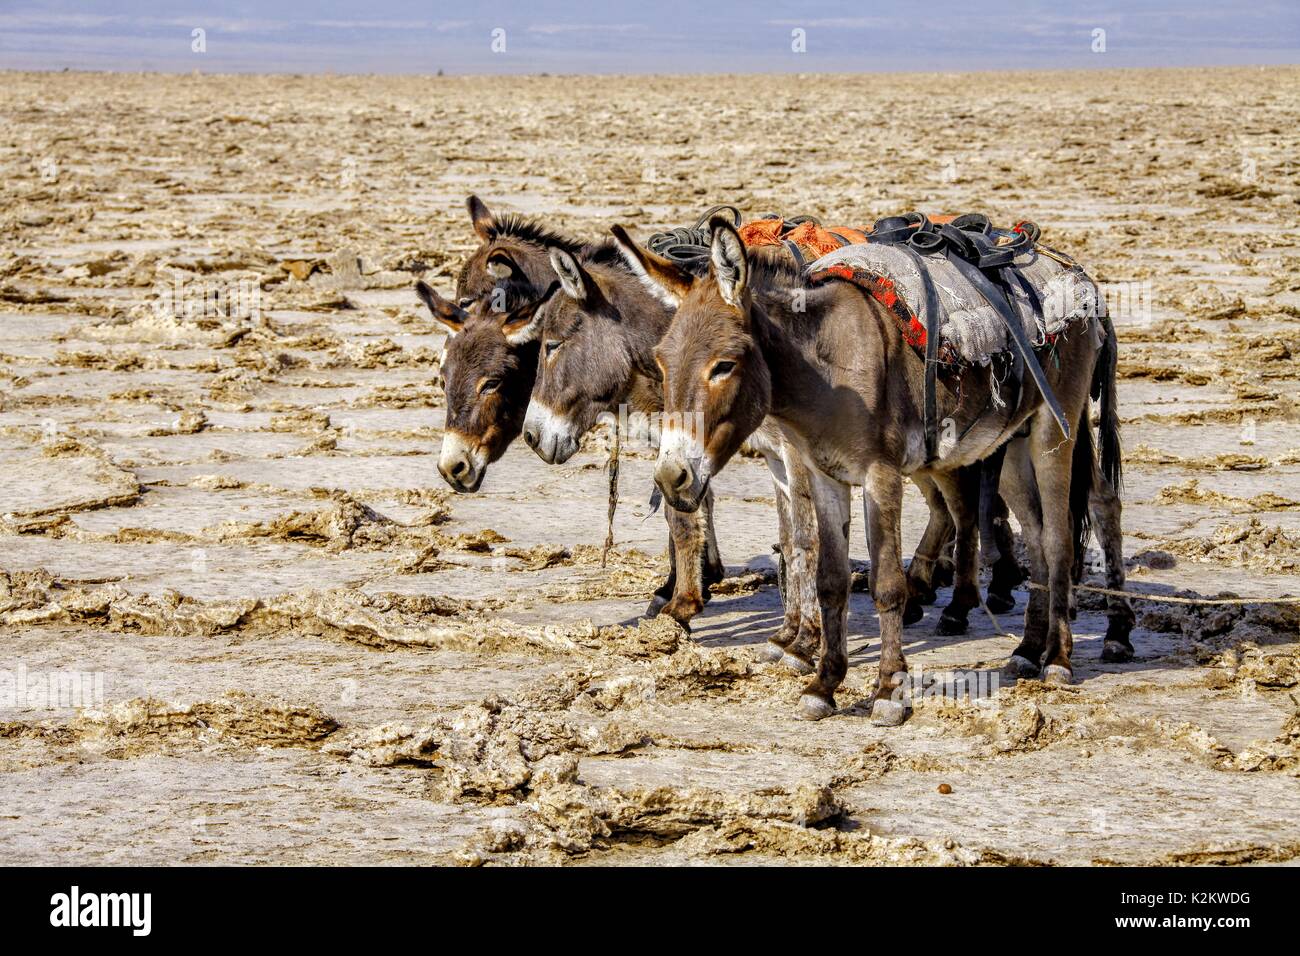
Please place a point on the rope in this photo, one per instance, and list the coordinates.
(1171, 599)
(997, 627)
(613, 497)
(1161, 599)
(689, 247)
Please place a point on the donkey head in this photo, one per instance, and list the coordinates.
(488, 370)
(585, 363)
(501, 257)
(717, 387)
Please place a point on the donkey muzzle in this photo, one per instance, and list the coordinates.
(459, 464)
(551, 436)
(682, 471)
(680, 483)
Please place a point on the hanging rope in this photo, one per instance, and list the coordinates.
(613, 496)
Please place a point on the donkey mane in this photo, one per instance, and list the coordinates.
(771, 270)
(605, 253)
(531, 230)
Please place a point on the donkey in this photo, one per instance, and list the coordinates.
(487, 379)
(833, 369)
(490, 375)
(597, 352)
(597, 341)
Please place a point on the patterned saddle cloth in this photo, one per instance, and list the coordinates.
(1055, 293)
(900, 273)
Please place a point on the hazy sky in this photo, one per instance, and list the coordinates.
(622, 36)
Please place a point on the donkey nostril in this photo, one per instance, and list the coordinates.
(530, 438)
(683, 479)
(460, 468)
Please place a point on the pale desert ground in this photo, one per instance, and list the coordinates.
(310, 651)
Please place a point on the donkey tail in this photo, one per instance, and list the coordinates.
(1103, 387)
(1082, 469)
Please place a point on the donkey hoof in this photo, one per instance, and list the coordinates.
(1000, 603)
(796, 663)
(812, 707)
(888, 713)
(770, 653)
(950, 626)
(1116, 652)
(912, 612)
(657, 604)
(1020, 667)
(1056, 674)
(682, 611)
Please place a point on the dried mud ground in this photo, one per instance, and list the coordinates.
(310, 651)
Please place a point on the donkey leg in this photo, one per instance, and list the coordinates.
(688, 550)
(961, 494)
(801, 569)
(944, 567)
(831, 503)
(790, 623)
(664, 593)
(884, 486)
(996, 540)
(1105, 507)
(921, 572)
(1007, 572)
(1053, 467)
(1020, 489)
(714, 570)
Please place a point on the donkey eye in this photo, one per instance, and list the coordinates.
(552, 346)
(466, 302)
(489, 385)
(722, 370)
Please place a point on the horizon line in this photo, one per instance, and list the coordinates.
(548, 74)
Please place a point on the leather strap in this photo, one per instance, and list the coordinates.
(912, 233)
(932, 323)
(997, 298)
(794, 251)
(987, 260)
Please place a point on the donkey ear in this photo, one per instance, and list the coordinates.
(573, 278)
(484, 223)
(668, 281)
(448, 313)
(501, 265)
(730, 266)
(524, 324)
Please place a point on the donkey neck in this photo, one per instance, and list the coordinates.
(834, 385)
(789, 343)
(639, 320)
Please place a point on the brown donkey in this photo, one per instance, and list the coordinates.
(487, 377)
(829, 364)
(597, 356)
(489, 373)
(597, 352)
